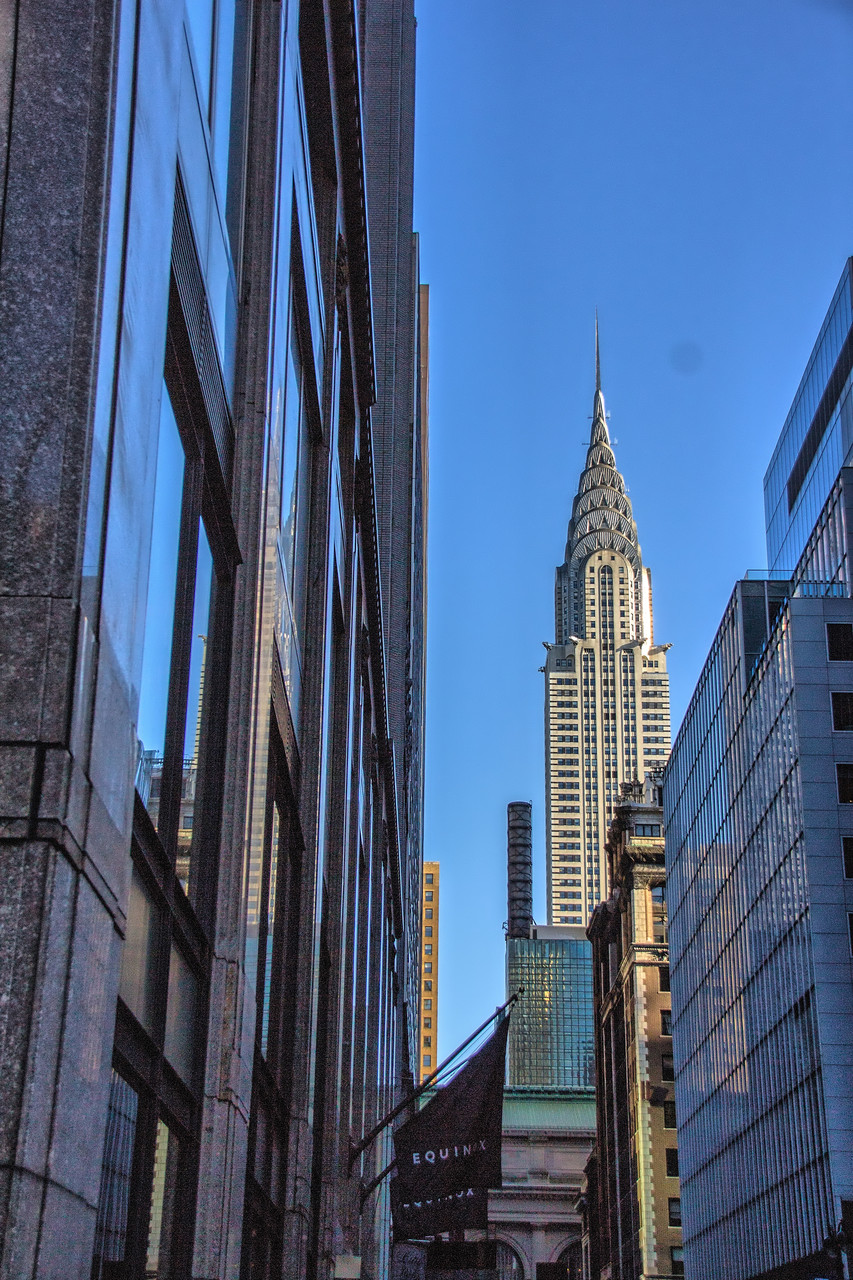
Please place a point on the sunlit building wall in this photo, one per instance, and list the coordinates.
(429, 969)
(637, 1217)
(606, 682)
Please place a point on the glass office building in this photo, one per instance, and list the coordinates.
(551, 1034)
(759, 826)
(817, 436)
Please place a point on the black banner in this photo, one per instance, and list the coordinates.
(453, 1146)
(417, 1219)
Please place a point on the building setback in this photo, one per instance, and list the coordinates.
(636, 1220)
(212, 387)
(759, 819)
(606, 685)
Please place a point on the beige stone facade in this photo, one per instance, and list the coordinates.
(636, 1219)
(428, 1030)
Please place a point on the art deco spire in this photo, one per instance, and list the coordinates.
(601, 513)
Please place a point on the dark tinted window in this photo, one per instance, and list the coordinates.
(676, 1254)
(666, 1022)
(669, 1115)
(842, 710)
(845, 783)
(674, 1211)
(664, 977)
(839, 641)
(667, 1067)
(672, 1162)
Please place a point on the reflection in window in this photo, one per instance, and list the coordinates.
(195, 703)
(116, 1170)
(179, 1045)
(200, 23)
(137, 984)
(275, 840)
(160, 605)
(295, 478)
(161, 1220)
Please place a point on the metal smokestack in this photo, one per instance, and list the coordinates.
(519, 869)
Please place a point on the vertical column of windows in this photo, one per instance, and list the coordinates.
(590, 774)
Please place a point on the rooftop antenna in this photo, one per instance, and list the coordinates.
(597, 360)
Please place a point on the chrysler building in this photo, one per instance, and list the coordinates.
(606, 684)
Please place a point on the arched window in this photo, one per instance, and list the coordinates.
(572, 1260)
(510, 1266)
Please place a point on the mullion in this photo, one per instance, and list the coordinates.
(171, 786)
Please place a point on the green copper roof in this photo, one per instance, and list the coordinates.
(549, 1109)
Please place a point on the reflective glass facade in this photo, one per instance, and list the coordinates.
(761, 971)
(551, 1034)
(817, 436)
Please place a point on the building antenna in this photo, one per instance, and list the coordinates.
(597, 360)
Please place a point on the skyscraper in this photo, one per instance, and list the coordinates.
(606, 684)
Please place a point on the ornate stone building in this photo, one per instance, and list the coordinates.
(636, 1217)
(606, 684)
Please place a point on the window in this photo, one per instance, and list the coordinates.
(427, 1042)
(847, 847)
(427, 1004)
(674, 1211)
(647, 829)
(428, 949)
(427, 1060)
(666, 1022)
(659, 894)
(429, 878)
(669, 1115)
(667, 1067)
(428, 969)
(842, 710)
(428, 931)
(844, 774)
(428, 895)
(850, 929)
(428, 983)
(676, 1255)
(839, 641)
(428, 913)
(672, 1162)
(428, 1024)
(663, 977)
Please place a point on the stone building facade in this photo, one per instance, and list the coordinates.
(214, 491)
(636, 1217)
(546, 1140)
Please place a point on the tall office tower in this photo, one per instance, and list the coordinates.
(550, 1034)
(758, 799)
(429, 970)
(606, 684)
(212, 407)
(637, 1219)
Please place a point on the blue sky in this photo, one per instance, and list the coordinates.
(686, 168)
